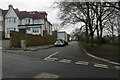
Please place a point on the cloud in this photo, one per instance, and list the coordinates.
(36, 5)
(32, 5)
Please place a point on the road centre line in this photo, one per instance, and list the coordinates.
(101, 65)
(65, 61)
(82, 62)
(50, 55)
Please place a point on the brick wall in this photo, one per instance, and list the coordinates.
(32, 40)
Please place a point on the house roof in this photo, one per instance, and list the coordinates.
(49, 23)
(25, 14)
(34, 15)
(4, 12)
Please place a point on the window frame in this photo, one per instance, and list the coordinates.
(27, 20)
(35, 30)
(37, 21)
(11, 20)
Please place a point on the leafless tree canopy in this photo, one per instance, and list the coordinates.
(98, 17)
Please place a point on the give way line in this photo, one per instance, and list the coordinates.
(51, 56)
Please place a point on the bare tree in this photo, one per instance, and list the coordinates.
(94, 15)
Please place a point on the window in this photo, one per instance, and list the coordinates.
(37, 21)
(11, 20)
(35, 30)
(10, 29)
(27, 20)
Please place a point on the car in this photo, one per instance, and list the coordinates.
(60, 42)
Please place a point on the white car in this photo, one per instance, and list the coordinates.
(59, 42)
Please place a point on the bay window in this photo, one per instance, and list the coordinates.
(11, 20)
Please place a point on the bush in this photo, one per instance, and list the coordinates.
(103, 41)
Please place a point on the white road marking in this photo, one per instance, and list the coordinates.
(117, 67)
(51, 59)
(65, 61)
(82, 62)
(46, 75)
(101, 65)
(51, 55)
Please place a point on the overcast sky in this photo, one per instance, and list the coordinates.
(32, 5)
(36, 5)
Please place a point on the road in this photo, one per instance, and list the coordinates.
(57, 62)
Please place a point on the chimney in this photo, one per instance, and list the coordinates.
(10, 6)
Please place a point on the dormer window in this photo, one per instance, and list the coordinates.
(37, 21)
(11, 20)
(27, 20)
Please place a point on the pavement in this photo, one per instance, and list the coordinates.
(5, 47)
(33, 48)
(69, 61)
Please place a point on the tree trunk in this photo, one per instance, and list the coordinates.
(89, 24)
(98, 35)
(86, 34)
(101, 29)
(92, 40)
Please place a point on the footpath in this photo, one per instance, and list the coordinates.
(18, 49)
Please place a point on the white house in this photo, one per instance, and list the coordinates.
(11, 21)
(1, 23)
(35, 29)
(1, 20)
(33, 22)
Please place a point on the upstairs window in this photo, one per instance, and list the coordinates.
(27, 20)
(11, 20)
(37, 21)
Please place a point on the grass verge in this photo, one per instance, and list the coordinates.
(106, 51)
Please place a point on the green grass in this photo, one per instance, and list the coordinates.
(105, 51)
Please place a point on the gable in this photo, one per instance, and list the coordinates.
(11, 13)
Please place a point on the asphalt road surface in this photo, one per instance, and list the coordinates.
(57, 62)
